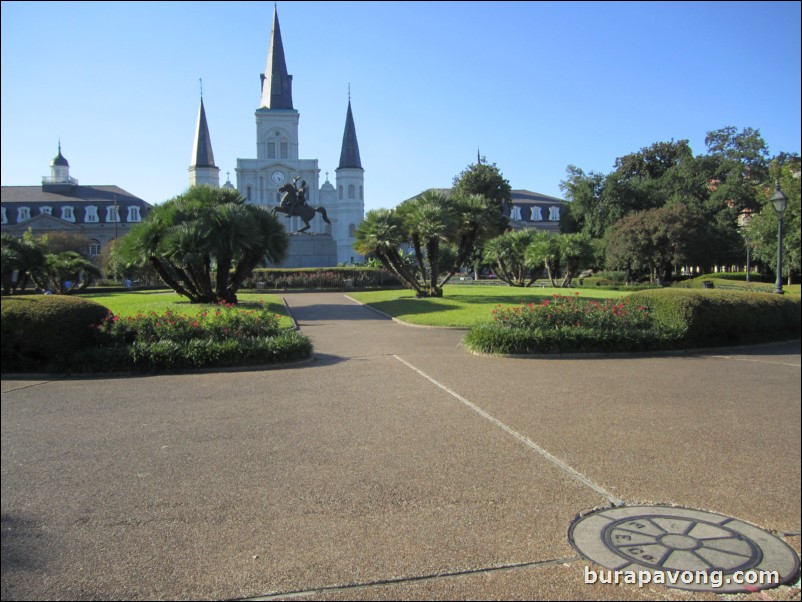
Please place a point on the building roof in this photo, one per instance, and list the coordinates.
(276, 82)
(349, 155)
(202, 155)
(78, 194)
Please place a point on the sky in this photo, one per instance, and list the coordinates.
(532, 86)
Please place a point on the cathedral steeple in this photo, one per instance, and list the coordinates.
(349, 155)
(276, 82)
(202, 169)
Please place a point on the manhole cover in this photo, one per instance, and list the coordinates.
(682, 548)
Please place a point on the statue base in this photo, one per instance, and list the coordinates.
(310, 251)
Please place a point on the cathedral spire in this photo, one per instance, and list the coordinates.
(349, 155)
(202, 155)
(276, 82)
(202, 169)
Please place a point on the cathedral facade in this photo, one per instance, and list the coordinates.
(278, 163)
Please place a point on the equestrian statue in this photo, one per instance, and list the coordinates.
(293, 204)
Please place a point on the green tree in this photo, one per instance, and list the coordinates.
(21, 256)
(204, 243)
(66, 273)
(486, 180)
(762, 228)
(381, 234)
(507, 255)
(653, 241)
(544, 250)
(576, 252)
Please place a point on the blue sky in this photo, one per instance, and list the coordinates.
(533, 86)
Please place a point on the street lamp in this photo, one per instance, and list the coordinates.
(779, 201)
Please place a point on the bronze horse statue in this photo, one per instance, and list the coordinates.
(294, 205)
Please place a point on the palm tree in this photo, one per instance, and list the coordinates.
(507, 253)
(203, 231)
(575, 250)
(66, 272)
(25, 256)
(545, 250)
(381, 233)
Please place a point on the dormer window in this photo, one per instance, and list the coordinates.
(91, 215)
(68, 214)
(133, 214)
(554, 213)
(23, 214)
(112, 213)
(45, 210)
(4, 216)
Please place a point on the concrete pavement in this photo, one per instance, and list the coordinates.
(395, 465)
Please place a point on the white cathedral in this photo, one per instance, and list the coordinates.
(277, 162)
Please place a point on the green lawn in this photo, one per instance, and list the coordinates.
(134, 302)
(464, 306)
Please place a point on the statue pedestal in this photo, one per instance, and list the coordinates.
(310, 251)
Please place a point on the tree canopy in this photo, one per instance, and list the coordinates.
(205, 242)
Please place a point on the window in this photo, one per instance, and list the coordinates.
(340, 193)
(554, 214)
(361, 194)
(133, 214)
(271, 150)
(23, 214)
(284, 149)
(113, 213)
(351, 191)
(68, 214)
(94, 247)
(516, 213)
(45, 210)
(90, 217)
(249, 194)
(536, 215)
(5, 217)
(352, 230)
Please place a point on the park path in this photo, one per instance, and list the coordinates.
(395, 465)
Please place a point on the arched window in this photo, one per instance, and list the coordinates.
(352, 230)
(351, 191)
(340, 190)
(23, 214)
(361, 194)
(94, 247)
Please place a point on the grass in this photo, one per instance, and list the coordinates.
(464, 306)
(134, 302)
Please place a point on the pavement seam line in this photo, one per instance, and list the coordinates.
(744, 359)
(413, 579)
(523, 439)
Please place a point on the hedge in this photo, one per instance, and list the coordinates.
(42, 332)
(319, 278)
(711, 318)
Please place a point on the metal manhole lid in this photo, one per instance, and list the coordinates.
(682, 548)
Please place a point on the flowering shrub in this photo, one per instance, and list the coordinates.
(219, 323)
(568, 324)
(215, 337)
(567, 312)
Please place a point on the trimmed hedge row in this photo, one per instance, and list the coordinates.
(711, 318)
(39, 331)
(320, 278)
(54, 333)
(677, 319)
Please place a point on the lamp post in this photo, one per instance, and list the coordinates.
(779, 201)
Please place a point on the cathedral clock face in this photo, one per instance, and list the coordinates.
(277, 177)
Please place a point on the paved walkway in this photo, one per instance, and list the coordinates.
(395, 465)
